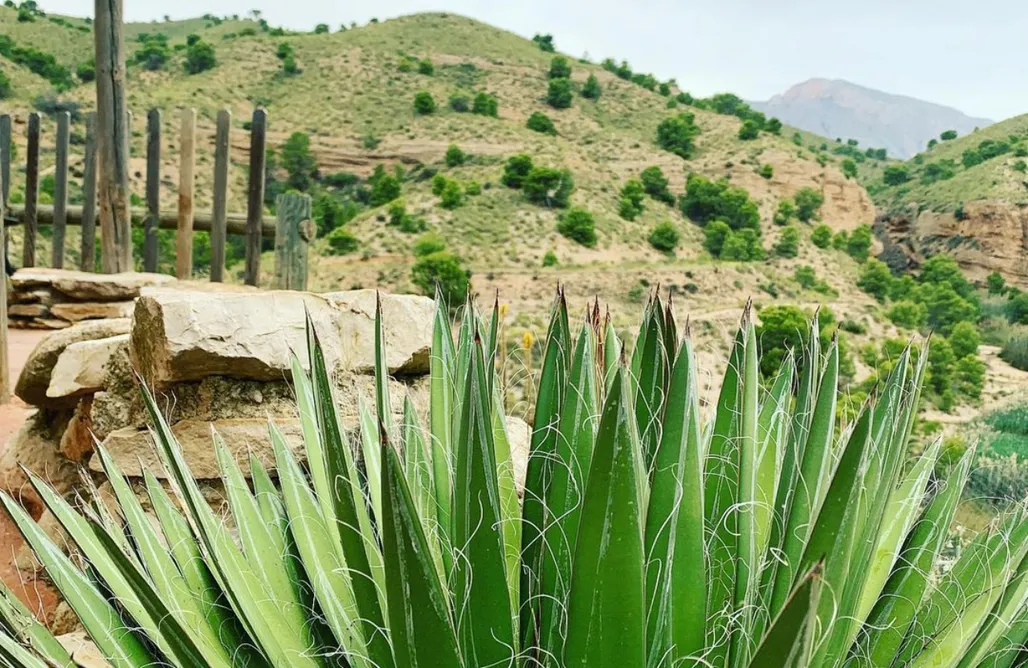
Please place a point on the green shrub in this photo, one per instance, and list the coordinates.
(516, 170)
(664, 237)
(427, 244)
(632, 196)
(908, 314)
(452, 195)
(540, 122)
(591, 90)
(86, 72)
(550, 259)
(805, 276)
(841, 240)
(321, 29)
(298, 161)
(742, 246)
(940, 365)
(454, 156)
(472, 188)
(284, 50)
(749, 130)
(5, 86)
(969, 377)
(439, 182)
(406, 223)
(424, 103)
(656, 184)
(442, 271)
(948, 135)
(560, 68)
(341, 241)
(200, 57)
(548, 187)
(544, 42)
(426, 67)
(329, 213)
(788, 244)
(774, 126)
(808, 203)
(559, 94)
(964, 339)
(821, 236)
(849, 168)
(895, 175)
(875, 279)
(706, 200)
(578, 225)
(460, 103)
(678, 134)
(1017, 309)
(766, 171)
(1015, 351)
(995, 283)
(289, 66)
(715, 234)
(785, 212)
(858, 245)
(153, 53)
(384, 188)
(853, 327)
(485, 105)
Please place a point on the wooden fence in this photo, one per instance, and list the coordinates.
(291, 229)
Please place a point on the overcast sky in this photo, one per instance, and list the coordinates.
(969, 55)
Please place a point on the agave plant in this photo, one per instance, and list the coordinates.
(651, 533)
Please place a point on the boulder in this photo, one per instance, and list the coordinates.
(86, 286)
(35, 376)
(36, 446)
(181, 336)
(82, 650)
(27, 310)
(82, 367)
(78, 311)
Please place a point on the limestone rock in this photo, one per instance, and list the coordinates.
(27, 310)
(407, 321)
(83, 652)
(35, 376)
(78, 311)
(37, 447)
(86, 286)
(77, 440)
(180, 336)
(82, 367)
(40, 323)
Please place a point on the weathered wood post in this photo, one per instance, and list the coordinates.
(186, 182)
(255, 196)
(293, 233)
(5, 370)
(219, 216)
(5, 158)
(87, 257)
(31, 192)
(153, 189)
(60, 190)
(112, 137)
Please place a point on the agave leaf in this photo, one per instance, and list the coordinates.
(441, 400)
(1011, 646)
(371, 455)
(112, 636)
(576, 435)
(612, 348)
(999, 621)
(481, 598)
(419, 618)
(606, 613)
(385, 413)
(650, 363)
(790, 640)
(418, 472)
(676, 580)
(13, 655)
(549, 400)
(25, 629)
(772, 430)
(510, 505)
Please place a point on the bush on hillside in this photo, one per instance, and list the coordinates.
(774, 126)
(591, 90)
(706, 200)
(454, 156)
(548, 186)
(5, 86)
(908, 314)
(544, 42)
(442, 270)
(875, 279)
(560, 68)
(664, 237)
(460, 103)
(550, 259)
(749, 130)
(284, 50)
(849, 168)
(808, 203)
(452, 195)
(742, 246)
(200, 57)
(788, 244)
(786, 212)
(714, 236)
(384, 187)
(321, 29)
(37, 62)
(678, 134)
(516, 170)
(427, 244)
(821, 236)
(289, 66)
(895, 175)
(995, 283)
(766, 171)
(485, 105)
(439, 182)
(341, 241)
(426, 67)
(540, 122)
(964, 339)
(948, 135)
(578, 225)
(858, 246)
(424, 103)
(298, 161)
(656, 184)
(154, 52)
(632, 195)
(86, 72)
(1015, 351)
(559, 94)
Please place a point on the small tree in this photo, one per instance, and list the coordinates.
(452, 195)
(785, 212)
(664, 237)
(298, 161)
(384, 188)
(875, 279)
(427, 244)
(540, 122)
(86, 71)
(964, 339)
(859, 245)
(454, 156)
(559, 94)
(591, 90)
(516, 170)
(632, 195)
(908, 314)
(749, 130)
(289, 66)
(774, 126)
(789, 243)
(995, 283)
(805, 276)
(5, 86)
(948, 135)
(544, 42)
(426, 67)
(200, 57)
(442, 270)
(578, 225)
(849, 168)
(559, 68)
(321, 29)
(485, 105)
(714, 236)
(895, 175)
(284, 50)
(424, 103)
(341, 241)
(655, 184)
(808, 203)
(192, 39)
(550, 259)
(766, 171)
(677, 134)
(460, 103)
(549, 187)
(821, 236)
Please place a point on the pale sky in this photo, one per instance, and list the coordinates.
(968, 55)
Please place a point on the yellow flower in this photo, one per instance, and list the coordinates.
(526, 340)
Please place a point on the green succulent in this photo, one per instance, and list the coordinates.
(652, 532)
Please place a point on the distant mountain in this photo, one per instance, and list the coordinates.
(839, 109)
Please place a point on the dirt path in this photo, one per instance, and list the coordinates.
(36, 594)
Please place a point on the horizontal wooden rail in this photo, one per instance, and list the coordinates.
(235, 222)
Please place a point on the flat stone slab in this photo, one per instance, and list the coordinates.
(86, 286)
(78, 311)
(82, 367)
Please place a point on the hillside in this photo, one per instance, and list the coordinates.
(836, 108)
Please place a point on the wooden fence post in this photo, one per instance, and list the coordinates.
(219, 216)
(31, 192)
(60, 190)
(112, 136)
(5, 158)
(187, 161)
(153, 189)
(255, 196)
(87, 257)
(5, 370)
(293, 234)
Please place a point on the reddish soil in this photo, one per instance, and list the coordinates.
(38, 595)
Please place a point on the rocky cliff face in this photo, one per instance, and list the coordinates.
(988, 236)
